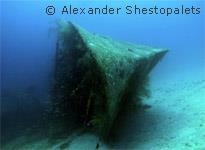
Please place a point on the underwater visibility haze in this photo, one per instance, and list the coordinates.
(103, 81)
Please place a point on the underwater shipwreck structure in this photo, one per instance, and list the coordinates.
(95, 76)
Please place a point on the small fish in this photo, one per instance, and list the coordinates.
(129, 49)
(97, 146)
(146, 106)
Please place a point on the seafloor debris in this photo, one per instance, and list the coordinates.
(96, 76)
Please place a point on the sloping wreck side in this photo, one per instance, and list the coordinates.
(78, 79)
(95, 76)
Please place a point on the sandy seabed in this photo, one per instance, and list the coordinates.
(175, 121)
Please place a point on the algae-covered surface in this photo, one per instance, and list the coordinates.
(96, 75)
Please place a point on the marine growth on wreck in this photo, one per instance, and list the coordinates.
(95, 76)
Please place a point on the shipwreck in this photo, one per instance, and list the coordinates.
(95, 76)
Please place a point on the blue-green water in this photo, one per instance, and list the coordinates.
(28, 41)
